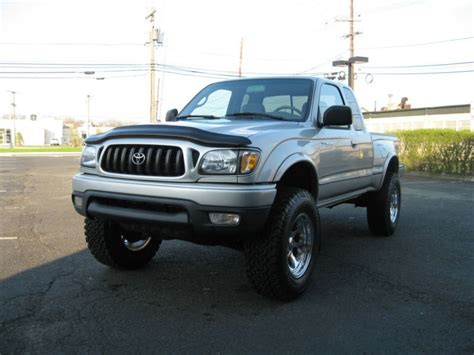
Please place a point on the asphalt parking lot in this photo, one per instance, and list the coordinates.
(411, 293)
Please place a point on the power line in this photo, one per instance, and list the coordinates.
(419, 44)
(420, 65)
(213, 76)
(69, 72)
(125, 44)
(72, 77)
(114, 67)
(110, 68)
(174, 72)
(421, 73)
(322, 63)
(140, 66)
(85, 44)
(131, 44)
(72, 64)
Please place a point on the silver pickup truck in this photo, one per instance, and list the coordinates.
(246, 164)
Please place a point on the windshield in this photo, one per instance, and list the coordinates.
(266, 98)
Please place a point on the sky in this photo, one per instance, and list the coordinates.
(406, 41)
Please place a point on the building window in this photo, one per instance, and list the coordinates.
(5, 136)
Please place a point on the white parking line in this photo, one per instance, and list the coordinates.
(8, 238)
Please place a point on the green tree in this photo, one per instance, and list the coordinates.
(19, 139)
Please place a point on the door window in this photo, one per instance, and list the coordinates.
(330, 96)
(356, 114)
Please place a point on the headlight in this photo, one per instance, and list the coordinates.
(229, 162)
(89, 155)
(220, 162)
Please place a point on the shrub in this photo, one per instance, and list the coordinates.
(19, 139)
(75, 140)
(437, 151)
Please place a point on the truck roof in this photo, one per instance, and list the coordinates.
(308, 77)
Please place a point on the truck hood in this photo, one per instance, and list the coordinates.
(219, 133)
(238, 127)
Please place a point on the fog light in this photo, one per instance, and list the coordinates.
(78, 201)
(224, 219)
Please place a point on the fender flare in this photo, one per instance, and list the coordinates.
(289, 162)
(389, 158)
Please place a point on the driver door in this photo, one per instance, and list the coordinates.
(338, 157)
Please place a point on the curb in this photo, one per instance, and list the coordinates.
(440, 176)
(41, 154)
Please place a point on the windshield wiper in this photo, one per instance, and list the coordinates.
(260, 114)
(197, 116)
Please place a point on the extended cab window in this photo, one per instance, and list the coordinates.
(356, 114)
(329, 96)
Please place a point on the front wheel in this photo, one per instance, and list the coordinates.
(383, 208)
(118, 248)
(280, 263)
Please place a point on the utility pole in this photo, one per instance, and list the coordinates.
(13, 137)
(152, 39)
(351, 44)
(157, 101)
(88, 113)
(350, 36)
(241, 55)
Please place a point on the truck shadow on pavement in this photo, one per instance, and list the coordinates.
(195, 298)
(185, 286)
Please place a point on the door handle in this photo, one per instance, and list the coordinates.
(354, 144)
(327, 142)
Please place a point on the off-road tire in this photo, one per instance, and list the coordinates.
(378, 207)
(104, 241)
(267, 256)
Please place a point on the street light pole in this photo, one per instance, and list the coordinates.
(350, 67)
(13, 137)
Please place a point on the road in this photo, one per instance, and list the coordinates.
(411, 293)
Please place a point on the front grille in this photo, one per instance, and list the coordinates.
(151, 160)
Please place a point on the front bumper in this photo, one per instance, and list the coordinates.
(154, 203)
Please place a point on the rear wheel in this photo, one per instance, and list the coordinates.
(118, 248)
(280, 263)
(383, 207)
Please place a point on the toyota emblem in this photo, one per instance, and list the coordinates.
(138, 158)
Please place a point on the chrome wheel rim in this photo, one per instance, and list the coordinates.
(300, 246)
(135, 245)
(394, 206)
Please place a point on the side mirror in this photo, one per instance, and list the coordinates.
(337, 116)
(171, 115)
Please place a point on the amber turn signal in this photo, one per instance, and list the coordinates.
(248, 161)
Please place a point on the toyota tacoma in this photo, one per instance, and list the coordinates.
(246, 164)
